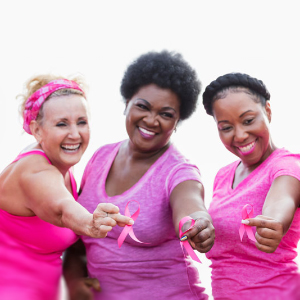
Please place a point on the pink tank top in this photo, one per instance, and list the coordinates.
(30, 253)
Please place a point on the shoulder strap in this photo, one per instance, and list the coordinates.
(73, 184)
(38, 152)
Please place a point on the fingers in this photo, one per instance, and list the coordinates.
(103, 209)
(92, 283)
(202, 235)
(110, 215)
(269, 232)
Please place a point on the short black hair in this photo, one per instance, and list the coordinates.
(234, 80)
(167, 70)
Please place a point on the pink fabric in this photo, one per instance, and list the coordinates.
(158, 270)
(36, 100)
(239, 269)
(30, 254)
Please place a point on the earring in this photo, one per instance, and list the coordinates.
(175, 129)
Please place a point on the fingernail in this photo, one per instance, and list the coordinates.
(184, 238)
(246, 222)
(131, 222)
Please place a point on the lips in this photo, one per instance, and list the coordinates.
(247, 149)
(70, 147)
(146, 133)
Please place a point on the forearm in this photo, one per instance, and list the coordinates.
(76, 217)
(74, 262)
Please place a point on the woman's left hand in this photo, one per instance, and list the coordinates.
(269, 232)
(202, 235)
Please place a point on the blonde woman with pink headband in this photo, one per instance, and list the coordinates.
(39, 217)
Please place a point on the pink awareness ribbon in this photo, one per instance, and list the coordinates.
(247, 213)
(185, 244)
(128, 228)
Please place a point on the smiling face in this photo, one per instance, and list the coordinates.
(63, 132)
(243, 125)
(151, 117)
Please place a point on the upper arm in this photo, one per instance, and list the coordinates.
(282, 200)
(45, 193)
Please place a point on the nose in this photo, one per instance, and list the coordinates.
(240, 134)
(74, 132)
(151, 119)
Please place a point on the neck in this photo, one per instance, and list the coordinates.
(135, 154)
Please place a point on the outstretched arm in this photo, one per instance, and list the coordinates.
(187, 200)
(47, 197)
(278, 212)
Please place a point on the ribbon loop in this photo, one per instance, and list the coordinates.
(247, 213)
(185, 244)
(128, 228)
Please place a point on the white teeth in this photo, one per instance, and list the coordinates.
(146, 131)
(71, 147)
(247, 148)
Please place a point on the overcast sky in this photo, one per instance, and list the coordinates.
(100, 38)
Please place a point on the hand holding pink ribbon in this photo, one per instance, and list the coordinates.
(128, 228)
(185, 243)
(247, 213)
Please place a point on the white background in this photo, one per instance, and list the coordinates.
(100, 38)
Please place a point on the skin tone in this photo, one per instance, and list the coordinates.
(152, 115)
(243, 125)
(33, 187)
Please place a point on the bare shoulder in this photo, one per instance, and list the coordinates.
(20, 176)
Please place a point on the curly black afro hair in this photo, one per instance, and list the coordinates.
(235, 80)
(166, 70)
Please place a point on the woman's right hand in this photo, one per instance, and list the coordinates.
(105, 217)
(82, 289)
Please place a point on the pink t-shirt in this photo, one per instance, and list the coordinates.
(160, 269)
(30, 254)
(239, 269)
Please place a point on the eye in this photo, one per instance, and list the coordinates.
(167, 115)
(225, 128)
(82, 122)
(142, 106)
(249, 121)
(61, 124)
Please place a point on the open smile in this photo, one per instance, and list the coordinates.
(247, 149)
(70, 148)
(146, 133)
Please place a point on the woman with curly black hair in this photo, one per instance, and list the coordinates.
(262, 188)
(160, 90)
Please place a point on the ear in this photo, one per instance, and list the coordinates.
(126, 106)
(268, 111)
(36, 130)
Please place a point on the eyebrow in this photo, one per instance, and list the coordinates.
(166, 107)
(224, 121)
(245, 113)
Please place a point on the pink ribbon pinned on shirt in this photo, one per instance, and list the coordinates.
(185, 244)
(247, 213)
(128, 228)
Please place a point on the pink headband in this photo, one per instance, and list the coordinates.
(36, 100)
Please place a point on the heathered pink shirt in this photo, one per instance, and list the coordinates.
(239, 270)
(158, 270)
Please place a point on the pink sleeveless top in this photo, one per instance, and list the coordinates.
(30, 253)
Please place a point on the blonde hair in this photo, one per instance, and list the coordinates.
(37, 82)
